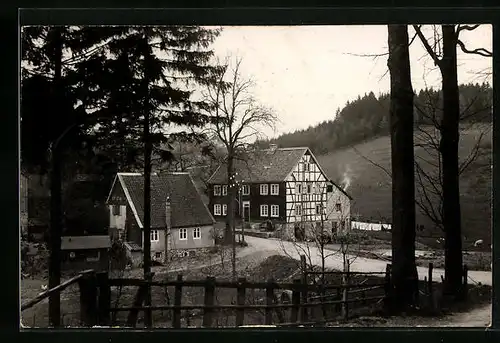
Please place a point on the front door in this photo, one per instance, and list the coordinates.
(246, 211)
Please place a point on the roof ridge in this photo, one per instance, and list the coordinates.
(174, 173)
(129, 174)
(287, 148)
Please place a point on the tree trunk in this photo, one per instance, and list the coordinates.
(147, 198)
(405, 280)
(449, 154)
(228, 234)
(55, 195)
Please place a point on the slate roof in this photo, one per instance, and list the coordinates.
(263, 166)
(186, 203)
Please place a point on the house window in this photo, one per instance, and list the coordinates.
(217, 209)
(224, 190)
(116, 210)
(224, 210)
(93, 256)
(306, 166)
(275, 210)
(264, 211)
(338, 207)
(183, 234)
(275, 189)
(264, 189)
(216, 190)
(309, 188)
(298, 210)
(329, 188)
(246, 190)
(196, 233)
(155, 236)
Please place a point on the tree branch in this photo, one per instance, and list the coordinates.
(479, 51)
(427, 46)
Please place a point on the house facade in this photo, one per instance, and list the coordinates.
(181, 224)
(284, 185)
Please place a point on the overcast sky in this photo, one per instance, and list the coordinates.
(306, 72)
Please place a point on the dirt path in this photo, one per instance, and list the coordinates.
(479, 317)
(359, 264)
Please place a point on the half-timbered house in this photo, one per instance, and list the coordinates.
(283, 185)
(181, 223)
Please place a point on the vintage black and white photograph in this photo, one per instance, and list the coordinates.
(242, 176)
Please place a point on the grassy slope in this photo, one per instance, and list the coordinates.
(371, 188)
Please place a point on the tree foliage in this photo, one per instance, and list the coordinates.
(368, 116)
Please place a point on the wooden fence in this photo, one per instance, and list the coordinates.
(304, 297)
(96, 306)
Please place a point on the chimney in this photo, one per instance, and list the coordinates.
(168, 214)
(272, 148)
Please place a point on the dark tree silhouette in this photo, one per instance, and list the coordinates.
(404, 270)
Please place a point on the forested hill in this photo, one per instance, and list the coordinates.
(368, 117)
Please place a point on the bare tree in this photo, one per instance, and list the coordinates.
(329, 237)
(444, 55)
(428, 162)
(238, 118)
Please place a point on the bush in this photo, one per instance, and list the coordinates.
(118, 256)
(345, 238)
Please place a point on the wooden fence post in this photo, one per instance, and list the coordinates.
(209, 301)
(88, 300)
(294, 317)
(345, 284)
(430, 285)
(240, 301)
(465, 282)
(139, 299)
(176, 322)
(104, 299)
(269, 301)
(303, 266)
(338, 306)
(387, 288)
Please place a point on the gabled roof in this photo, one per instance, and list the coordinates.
(341, 189)
(186, 203)
(263, 165)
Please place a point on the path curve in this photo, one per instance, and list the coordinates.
(360, 264)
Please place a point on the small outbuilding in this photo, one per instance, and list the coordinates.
(85, 252)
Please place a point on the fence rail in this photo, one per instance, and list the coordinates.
(57, 289)
(303, 295)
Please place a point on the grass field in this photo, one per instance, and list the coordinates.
(370, 186)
